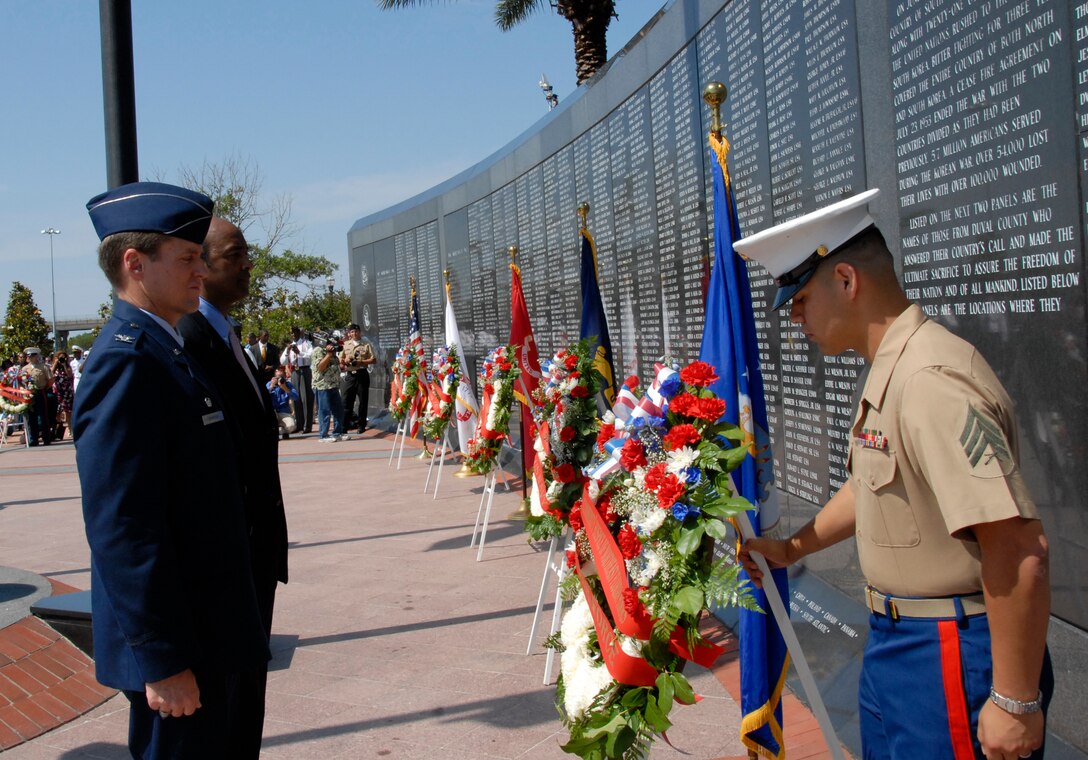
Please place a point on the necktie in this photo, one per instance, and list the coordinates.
(236, 347)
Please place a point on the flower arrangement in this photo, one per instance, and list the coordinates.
(442, 392)
(498, 374)
(408, 367)
(644, 566)
(14, 400)
(566, 416)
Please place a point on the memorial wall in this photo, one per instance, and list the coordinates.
(972, 119)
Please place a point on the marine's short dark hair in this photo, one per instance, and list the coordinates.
(113, 247)
(869, 253)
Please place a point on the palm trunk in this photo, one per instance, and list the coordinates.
(589, 20)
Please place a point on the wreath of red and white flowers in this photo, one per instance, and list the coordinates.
(442, 391)
(498, 374)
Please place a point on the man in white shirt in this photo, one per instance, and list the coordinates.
(77, 366)
(298, 356)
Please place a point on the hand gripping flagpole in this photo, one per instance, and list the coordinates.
(715, 94)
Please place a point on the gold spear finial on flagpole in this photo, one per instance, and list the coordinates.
(715, 94)
(583, 214)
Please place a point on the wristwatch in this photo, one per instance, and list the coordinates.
(1015, 706)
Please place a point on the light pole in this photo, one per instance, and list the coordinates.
(52, 285)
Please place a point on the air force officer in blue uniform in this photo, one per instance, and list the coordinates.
(175, 614)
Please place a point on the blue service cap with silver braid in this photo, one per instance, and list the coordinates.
(152, 207)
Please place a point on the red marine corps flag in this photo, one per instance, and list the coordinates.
(521, 335)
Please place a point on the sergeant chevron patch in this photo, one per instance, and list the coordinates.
(979, 434)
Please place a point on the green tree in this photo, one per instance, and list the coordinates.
(23, 324)
(286, 287)
(589, 20)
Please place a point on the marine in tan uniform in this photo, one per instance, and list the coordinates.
(355, 358)
(948, 537)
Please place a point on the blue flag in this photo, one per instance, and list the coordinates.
(729, 343)
(594, 324)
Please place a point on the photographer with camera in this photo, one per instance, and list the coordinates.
(326, 385)
(297, 357)
(283, 392)
(355, 361)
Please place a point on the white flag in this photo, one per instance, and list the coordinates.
(466, 408)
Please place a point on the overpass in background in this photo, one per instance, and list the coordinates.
(66, 327)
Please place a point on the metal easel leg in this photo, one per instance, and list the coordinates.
(487, 518)
(543, 586)
(479, 512)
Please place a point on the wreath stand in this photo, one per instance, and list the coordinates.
(556, 566)
(399, 435)
(440, 455)
(487, 496)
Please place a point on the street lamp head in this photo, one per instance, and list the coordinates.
(50, 231)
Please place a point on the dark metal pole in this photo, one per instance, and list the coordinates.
(118, 92)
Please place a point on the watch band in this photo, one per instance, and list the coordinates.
(1015, 706)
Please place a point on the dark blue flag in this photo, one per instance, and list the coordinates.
(729, 343)
(594, 324)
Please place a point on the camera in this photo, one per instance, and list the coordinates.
(321, 339)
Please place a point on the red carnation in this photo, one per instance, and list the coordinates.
(682, 404)
(630, 545)
(604, 508)
(564, 473)
(631, 382)
(505, 365)
(571, 361)
(579, 391)
(654, 476)
(575, 517)
(632, 456)
(607, 433)
(709, 409)
(680, 436)
(634, 607)
(572, 559)
(670, 491)
(567, 434)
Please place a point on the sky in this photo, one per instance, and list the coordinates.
(345, 108)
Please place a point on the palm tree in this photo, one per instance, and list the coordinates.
(588, 18)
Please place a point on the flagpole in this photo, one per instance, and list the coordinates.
(715, 94)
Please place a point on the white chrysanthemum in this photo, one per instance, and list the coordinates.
(594, 489)
(609, 418)
(639, 477)
(647, 516)
(645, 567)
(678, 460)
(584, 675)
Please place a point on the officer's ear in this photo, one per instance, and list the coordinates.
(132, 261)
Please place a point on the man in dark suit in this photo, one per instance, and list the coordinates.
(267, 356)
(211, 340)
(175, 614)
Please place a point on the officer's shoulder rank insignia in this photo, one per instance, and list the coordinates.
(122, 338)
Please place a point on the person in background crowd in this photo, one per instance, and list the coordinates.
(283, 393)
(355, 360)
(63, 390)
(253, 352)
(174, 610)
(330, 407)
(267, 356)
(41, 414)
(949, 539)
(297, 357)
(211, 338)
(76, 364)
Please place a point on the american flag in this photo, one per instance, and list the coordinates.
(415, 345)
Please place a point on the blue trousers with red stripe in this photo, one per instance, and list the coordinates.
(923, 682)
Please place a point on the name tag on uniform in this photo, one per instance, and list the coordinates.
(212, 418)
(872, 439)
